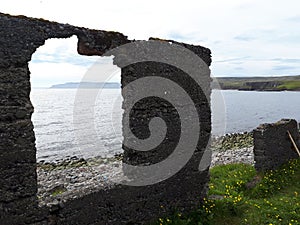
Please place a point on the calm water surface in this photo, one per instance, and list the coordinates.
(56, 139)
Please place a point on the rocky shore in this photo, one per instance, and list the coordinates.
(74, 177)
(243, 155)
(233, 148)
(232, 141)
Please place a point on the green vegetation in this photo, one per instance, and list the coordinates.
(58, 191)
(290, 83)
(238, 195)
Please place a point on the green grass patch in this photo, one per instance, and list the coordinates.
(290, 85)
(273, 199)
(58, 192)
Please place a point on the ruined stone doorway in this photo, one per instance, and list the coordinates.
(64, 164)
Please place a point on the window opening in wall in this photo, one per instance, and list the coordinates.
(66, 167)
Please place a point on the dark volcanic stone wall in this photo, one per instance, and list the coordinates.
(19, 39)
(117, 204)
(272, 145)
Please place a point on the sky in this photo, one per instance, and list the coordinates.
(246, 37)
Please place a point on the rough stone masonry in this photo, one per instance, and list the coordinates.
(272, 145)
(114, 204)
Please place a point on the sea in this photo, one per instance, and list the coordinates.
(59, 135)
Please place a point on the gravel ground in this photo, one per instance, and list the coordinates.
(75, 177)
(74, 180)
(243, 155)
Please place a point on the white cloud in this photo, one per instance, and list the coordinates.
(42, 73)
(58, 62)
(270, 29)
(61, 50)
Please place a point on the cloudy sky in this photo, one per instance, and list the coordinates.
(247, 37)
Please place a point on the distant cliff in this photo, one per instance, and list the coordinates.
(284, 83)
(109, 85)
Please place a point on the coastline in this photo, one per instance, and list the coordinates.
(273, 83)
(74, 177)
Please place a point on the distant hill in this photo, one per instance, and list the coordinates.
(87, 85)
(284, 83)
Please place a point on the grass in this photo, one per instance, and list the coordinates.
(58, 192)
(274, 199)
(290, 85)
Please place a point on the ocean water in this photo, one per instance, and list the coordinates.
(58, 135)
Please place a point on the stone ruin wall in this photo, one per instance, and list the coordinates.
(119, 204)
(272, 145)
